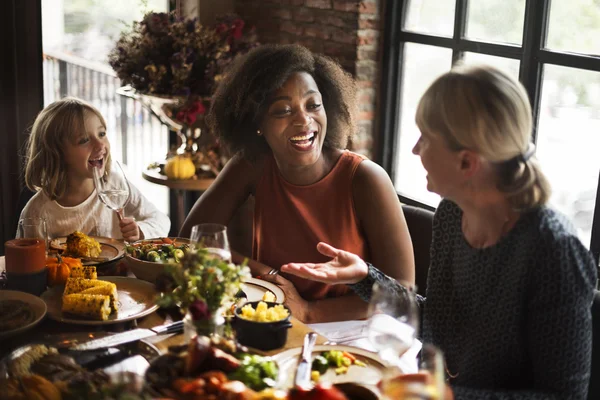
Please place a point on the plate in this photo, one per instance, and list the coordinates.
(136, 299)
(140, 353)
(256, 288)
(368, 376)
(37, 305)
(112, 249)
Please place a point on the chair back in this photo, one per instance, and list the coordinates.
(420, 223)
(594, 389)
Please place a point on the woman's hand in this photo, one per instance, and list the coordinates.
(297, 305)
(345, 267)
(130, 229)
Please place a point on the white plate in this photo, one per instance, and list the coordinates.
(368, 376)
(38, 308)
(136, 299)
(256, 288)
(112, 249)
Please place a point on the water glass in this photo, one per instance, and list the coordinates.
(213, 239)
(393, 321)
(33, 228)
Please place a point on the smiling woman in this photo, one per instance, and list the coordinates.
(287, 114)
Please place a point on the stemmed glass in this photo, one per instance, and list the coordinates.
(393, 321)
(113, 188)
(213, 239)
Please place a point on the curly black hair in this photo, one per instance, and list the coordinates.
(240, 101)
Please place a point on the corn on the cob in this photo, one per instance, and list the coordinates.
(87, 272)
(81, 245)
(87, 305)
(107, 290)
(78, 285)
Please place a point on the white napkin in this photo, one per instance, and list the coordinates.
(354, 333)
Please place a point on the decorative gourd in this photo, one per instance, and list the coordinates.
(180, 167)
(59, 269)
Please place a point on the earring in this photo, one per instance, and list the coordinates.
(258, 132)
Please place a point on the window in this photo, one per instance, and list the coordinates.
(551, 46)
(77, 36)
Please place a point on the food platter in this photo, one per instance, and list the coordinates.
(111, 249)
(369, 375)
(136, 299)
(33, 309)
(255, 289)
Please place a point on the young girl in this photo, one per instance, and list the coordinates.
(67, 141)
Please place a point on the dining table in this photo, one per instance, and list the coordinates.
(159, 317)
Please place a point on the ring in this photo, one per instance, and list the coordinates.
(273, 271)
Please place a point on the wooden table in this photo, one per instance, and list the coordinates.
(180, 186)
(295, 334)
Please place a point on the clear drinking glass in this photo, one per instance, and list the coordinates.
(393, 321)
(212, 238)
(33, 228)
(113, 189)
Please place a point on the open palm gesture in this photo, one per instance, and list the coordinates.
(344, 267)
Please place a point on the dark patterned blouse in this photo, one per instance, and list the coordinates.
(513, 319)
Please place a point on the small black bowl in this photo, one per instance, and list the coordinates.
(261, 335)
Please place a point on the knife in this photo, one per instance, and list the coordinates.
(302, 378)
(129, 336)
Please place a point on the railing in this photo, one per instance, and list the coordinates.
(136, 137)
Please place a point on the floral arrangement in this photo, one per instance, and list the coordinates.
(166, 55)
(200, 284)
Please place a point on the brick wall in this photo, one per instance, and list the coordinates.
(346, 30)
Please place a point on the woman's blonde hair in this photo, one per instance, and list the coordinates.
(59, 122)
(483, 109)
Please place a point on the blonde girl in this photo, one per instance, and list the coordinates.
(67, 141)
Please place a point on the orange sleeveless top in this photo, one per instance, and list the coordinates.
(290, 220)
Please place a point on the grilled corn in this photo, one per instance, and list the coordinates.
(87, 305)
(78, 285)
(110, 290)
(81, 245)
(84, 272)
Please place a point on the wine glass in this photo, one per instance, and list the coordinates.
(113, 188)
(213, 239)
(393, 321)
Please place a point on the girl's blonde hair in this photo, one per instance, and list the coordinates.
(59, 122)
(483, 109)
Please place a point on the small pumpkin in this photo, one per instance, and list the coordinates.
(59, 269)
(180, 167)
(31, 387)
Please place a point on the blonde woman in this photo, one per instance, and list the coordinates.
(510, 285)
(67, 141)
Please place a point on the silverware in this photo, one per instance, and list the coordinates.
(129, 336)
(302, 378)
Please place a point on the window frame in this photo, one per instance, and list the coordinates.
(531, 55)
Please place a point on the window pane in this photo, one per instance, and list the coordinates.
(508, 65)
(421, 66)
(496, 20)
(568, 142)
(431, 16)
(574, 26)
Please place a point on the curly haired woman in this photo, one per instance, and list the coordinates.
(287, 115)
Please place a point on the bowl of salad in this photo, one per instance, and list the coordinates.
(146, 258)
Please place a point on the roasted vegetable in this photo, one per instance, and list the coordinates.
(320, 364)
(87, 305)
(78, 285)
(110, 290)
(84, 272)
(81, 245)
(257, 372)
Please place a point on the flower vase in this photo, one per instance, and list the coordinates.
(214, 325)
